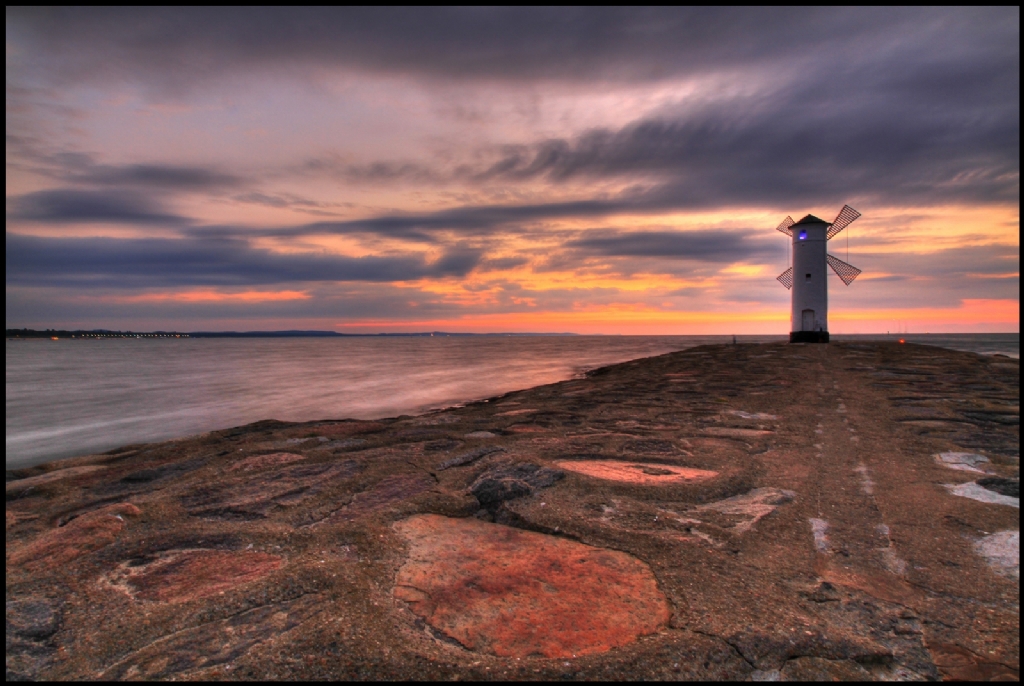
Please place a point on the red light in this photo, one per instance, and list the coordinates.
(902, 341)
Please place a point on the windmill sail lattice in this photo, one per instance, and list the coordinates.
(786, 278)
(784, 227)
(846, 272)
(842, 220)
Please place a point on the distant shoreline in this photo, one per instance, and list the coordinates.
(104, 333)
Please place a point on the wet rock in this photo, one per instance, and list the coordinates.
(514, 593)
(505, 483)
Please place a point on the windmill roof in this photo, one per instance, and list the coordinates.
(810, 219)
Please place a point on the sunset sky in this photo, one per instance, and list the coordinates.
(479, 170)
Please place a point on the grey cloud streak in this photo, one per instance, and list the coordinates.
(721, 246)
(83, 169)
(166, 177)
(160, 262)
(68, 206)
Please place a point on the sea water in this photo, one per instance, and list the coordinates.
(75, 397)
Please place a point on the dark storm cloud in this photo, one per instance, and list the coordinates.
(786, 154)
(135, 263)
(65, 206)
(704, 246)
(893, 139)
(944, 128)
(178, 45)
(886, 105)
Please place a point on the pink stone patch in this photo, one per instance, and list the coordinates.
(515, 593)
(636, 472)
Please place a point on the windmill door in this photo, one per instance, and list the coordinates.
(807, 323)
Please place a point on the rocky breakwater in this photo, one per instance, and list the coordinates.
(755, 512)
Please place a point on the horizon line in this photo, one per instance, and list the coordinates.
(329, 333)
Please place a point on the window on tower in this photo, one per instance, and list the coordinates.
(803, 235)
(807, 277)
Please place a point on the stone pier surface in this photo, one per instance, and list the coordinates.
(751, 512)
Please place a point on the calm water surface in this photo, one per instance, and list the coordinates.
(75, 397)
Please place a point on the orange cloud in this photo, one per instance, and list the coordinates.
(205, 296)
(638, 319)
(977, 315)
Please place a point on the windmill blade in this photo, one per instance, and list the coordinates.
(786, 278)
(784, 226)
(843, 219)
(846, 272)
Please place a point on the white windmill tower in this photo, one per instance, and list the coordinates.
(806, 278)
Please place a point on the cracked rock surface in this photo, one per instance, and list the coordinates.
(752, 512)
